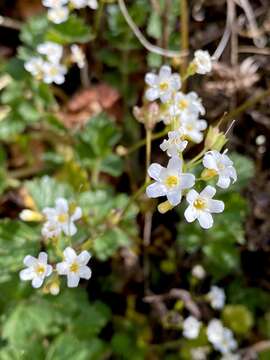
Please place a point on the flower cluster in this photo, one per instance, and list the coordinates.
(181, 113)
(59, 10)
(58, 220)
(47, 65)
(220, 337)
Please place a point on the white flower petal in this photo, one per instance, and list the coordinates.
(187, 181)
(77, 214)
(192, 196)
(69, 228)
(72, 280)
(37, 282)
(151, 79)
(26, 274)
(165, 72)
(155, 190)
(208, 192)
(49, 270)
(29, 261)
(43, 258)
(62, 268)
(70, 254)
(215, 206)
(174, 196)
(152, 94)
(205, 219)
(154, 171)
(165, 96)
(85, 272)
(175, 82)
(61, 205)
(175, 164)
(84, 257)
(190, 214)
(209, 161)
(223, 182)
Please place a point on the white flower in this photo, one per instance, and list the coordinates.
(163, 85)
(216, 297)
(202, 205)
(186, 105)
(54, 73)
(202, 62)
(198, 272)
(230, 356)
(77, 56)
(51, 229)
(35, 66)
(58, 15)
(54, 3)
(174, 144)
(74, 267)
(214, 331)
(51, 50)
(169, 181)
(61, 217)
(78, 4)
(227, 343)
(220, 337)
(192, 128)
(222, 166)
(191, 327)
(200, 353)
(37, 269)
(93, 4)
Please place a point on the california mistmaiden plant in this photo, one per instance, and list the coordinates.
(57, 220)
(181, 114)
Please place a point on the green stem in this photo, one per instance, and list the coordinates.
(148, 151)
(184, 34)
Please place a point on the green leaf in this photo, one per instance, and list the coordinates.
(67, 347)
(46, 190)
(33, 31)
(108, 243)
(95, 316)
(16, 241)
(95, 145)
(70, 31)
(238, 318)
(154, 27)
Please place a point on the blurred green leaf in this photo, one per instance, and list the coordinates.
(238, 318)
(71, 31)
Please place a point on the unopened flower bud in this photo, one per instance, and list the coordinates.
(54, 288)
(30, 215)
(208, 174)
(198, 272)
(164, 207)
(215, 139)
(121, 150)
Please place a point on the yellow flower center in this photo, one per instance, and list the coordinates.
(74, 267)
(62, 218)
(40, 269)
(199, 204)
(183, 104)
(171, 181)
(164, 86)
